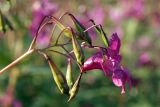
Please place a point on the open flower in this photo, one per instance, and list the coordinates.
(100, 59)
(109, 62)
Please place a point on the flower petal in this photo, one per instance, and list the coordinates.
(93, 62)
(115, 42)
(119, 78)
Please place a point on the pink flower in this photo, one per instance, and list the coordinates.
(108, 61)
(40, 10)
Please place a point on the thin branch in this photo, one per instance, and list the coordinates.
(91, 27)
(61, 34)
(54, 27)
(58, 45)
(59, 53)
(17, 60)
(67, 52)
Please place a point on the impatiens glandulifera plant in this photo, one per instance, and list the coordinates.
(106, 58)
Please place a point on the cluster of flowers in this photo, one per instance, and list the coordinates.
(107, 58)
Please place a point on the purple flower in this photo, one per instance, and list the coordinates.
(109, 62)
(40, 10)
(100, 15)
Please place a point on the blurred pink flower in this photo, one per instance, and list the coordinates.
(144, 58)
(116, 14)
(144, 42)
(134, 8)
(97, 14)
(127, 8)
(40, 10)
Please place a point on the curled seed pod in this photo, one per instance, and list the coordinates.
(80, 28)
(58, 78)
(74, 90)
(69, 77)
(77, 50)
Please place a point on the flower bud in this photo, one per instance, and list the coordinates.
(77, 50)
(58, 77)
(69, 77)
(74, 90)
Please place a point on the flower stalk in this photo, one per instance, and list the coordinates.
(29, 52)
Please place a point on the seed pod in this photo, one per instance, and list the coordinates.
(58, 77)
(69, 77)
(77, 50)
(102, 33)
(74, 90)
(83, 35)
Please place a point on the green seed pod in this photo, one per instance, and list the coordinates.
(74, 90)
(80, 28)
(58, 77)
(77, 50)
(69, 77)
(102, 33)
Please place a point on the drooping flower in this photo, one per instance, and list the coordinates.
(111, 55)
(108, 61)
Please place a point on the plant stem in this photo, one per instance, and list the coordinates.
(17, 60)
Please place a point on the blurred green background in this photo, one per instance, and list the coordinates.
(30, 83)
